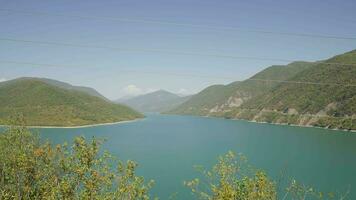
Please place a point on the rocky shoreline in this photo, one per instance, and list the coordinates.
(82, 126)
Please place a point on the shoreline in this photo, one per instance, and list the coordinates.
(297, 125)
(272, 123)
(292, 125)
(81, 126)
(235, 119)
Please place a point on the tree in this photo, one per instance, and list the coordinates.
(30, 169)
(232, 179)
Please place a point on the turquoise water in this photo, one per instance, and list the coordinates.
(167, 147)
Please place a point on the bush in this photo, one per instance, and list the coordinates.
(232, 179)
(31, 170)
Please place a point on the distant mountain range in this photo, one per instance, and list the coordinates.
(46, 102)
(302, 93)
(158, 101)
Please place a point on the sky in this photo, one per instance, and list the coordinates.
(218, 28)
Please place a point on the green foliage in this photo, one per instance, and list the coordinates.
(298, 191)
(32, 170)
(332, 102)
(59, 84)
(43, 104)
(229, 179)
(218, 95)
(67, 86)
(232, 179)
(200, 103)
(310, 98)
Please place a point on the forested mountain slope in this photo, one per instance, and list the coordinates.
(64, 85)
(323, 95)
(43, 104)
(311, 94)
(223, 98)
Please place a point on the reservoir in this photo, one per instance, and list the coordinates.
(167, 147)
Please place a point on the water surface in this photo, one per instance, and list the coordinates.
(167, 147)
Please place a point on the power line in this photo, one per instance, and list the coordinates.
(53, 43)
(200, 76)
(140, 50)
(302, 82)
(185, 75)
(219, 28)
(124, 71)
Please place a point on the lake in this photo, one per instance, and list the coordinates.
(167, 147)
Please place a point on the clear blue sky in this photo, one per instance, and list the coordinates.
(107, 70)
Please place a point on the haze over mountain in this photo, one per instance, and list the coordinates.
(288, 96)
(46, 102)
(158, 101)
(64, 85)
(222, 98)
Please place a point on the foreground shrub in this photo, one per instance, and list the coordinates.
(232, 179)
(31, 170)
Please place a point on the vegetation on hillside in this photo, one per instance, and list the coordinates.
(42, 104)
(198, 104)
(221, 98)
(335, 87)
(332, 103)
(313, 94)
(60, 84)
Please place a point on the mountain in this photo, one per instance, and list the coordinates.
(158, 101)
(66, 86)
(45, 104)
(223, 98)
(329, 103)
(301, 93)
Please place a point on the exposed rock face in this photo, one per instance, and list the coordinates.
(234, 102)
(231, 102)
(215, 109)
(323, 105)
(292, 111)
(329, 107)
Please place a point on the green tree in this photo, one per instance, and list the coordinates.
(30, 169)
(231, 178)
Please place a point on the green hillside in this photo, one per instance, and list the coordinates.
(64, 85)
(158, 101)
(198, 104)
(43, 104)
(330, 103)
(218, 99)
